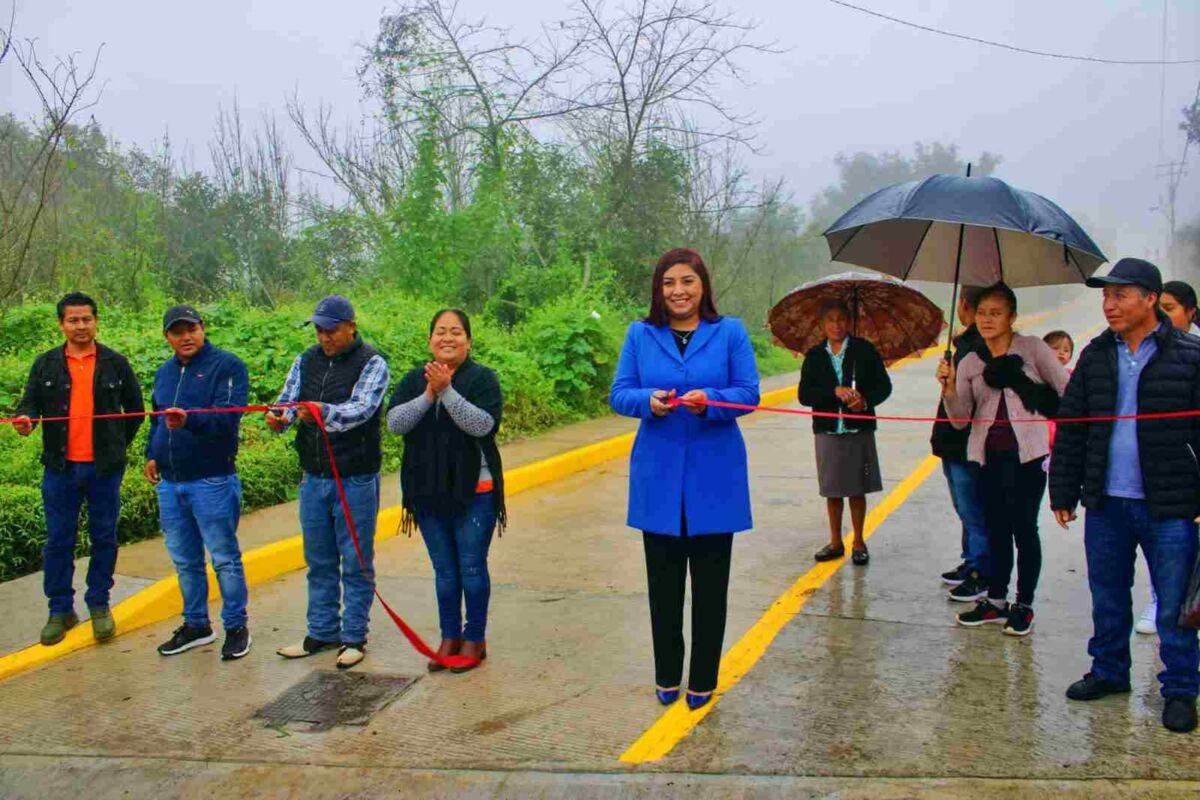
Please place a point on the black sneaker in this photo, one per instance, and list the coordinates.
(983, 613)
(955, 576)
(1020, 620)
(237, 643)
(185, 638)
(1093, 687)
(972, 588)
(1179, 714)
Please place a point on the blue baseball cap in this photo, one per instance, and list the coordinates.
(330, 311)
(1130, 272)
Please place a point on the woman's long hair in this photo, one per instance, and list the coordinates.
(658, 305)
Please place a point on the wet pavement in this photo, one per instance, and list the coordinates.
(871, 691)
(142, 563)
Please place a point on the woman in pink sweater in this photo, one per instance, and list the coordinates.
(1008, 386)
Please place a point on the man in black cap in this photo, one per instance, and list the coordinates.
(347, 379)
(191, 459)
(83, 458)
(1139, 481)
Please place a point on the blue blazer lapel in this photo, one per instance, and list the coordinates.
(701, 337)
(666, 340)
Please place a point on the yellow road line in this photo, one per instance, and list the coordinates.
(678, 721)
(161, 600)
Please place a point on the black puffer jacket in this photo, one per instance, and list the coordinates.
(1167, 448)
(862, 368)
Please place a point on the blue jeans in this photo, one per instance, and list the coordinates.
(1112, 533)
(458, 547)
(334, 572)
(968, 504)
(63, 492)
(199, 514)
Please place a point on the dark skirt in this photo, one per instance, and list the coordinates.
(847, 464)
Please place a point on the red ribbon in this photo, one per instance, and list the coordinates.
(462, 661)
(675, 401)
(315, 409)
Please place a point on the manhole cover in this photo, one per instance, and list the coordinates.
(326, 699)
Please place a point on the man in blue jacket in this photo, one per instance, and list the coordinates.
(190, 457)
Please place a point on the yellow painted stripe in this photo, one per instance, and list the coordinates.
(678, 721)
(162, 600)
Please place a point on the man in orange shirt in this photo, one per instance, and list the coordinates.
(84, 458)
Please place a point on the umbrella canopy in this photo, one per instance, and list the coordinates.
(915, 230)
(897, 319)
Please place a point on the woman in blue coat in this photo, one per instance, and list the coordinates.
(688, 486)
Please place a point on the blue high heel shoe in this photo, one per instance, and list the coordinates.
(666, 696)
(697, 700)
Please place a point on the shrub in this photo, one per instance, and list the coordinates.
(22, 530)
(554, 367)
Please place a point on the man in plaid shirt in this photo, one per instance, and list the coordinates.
(346, 380)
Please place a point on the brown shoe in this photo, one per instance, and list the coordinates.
(448, 647)
(476, 651)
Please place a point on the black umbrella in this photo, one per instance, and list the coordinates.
(955, 229)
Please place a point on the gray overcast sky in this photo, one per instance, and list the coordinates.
(1086, 135)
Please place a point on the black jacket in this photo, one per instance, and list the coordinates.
(947, 442)
(115, 390)
(862, 368)
(1167, 448)
(441, 463)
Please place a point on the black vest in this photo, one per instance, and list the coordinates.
(332, 380)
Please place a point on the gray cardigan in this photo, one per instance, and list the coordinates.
(974, 398)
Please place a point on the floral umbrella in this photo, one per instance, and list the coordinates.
(896, 318)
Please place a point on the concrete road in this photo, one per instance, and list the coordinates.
(870, 691)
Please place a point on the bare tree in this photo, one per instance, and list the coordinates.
(254, 174)
(369, 165)
(474, 78)
(65, 89)
(658, 64)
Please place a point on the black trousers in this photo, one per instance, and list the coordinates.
(1012, 500)
(668, 560)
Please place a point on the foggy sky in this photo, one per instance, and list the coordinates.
(1085, 135)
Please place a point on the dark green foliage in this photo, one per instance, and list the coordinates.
(22, 531)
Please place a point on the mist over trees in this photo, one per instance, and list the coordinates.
(487, 170)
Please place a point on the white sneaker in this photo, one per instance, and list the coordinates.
(1145, 623)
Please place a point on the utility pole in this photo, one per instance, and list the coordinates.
(1172, 172)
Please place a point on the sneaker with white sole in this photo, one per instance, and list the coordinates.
(185, 638)
(1147, 623)
(955, 576)
(971, 589)
(351, 654)
(984, 613)
(237, 643)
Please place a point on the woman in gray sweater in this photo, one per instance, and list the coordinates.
(1008, 385)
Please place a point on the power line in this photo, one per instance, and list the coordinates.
(1014, 48)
